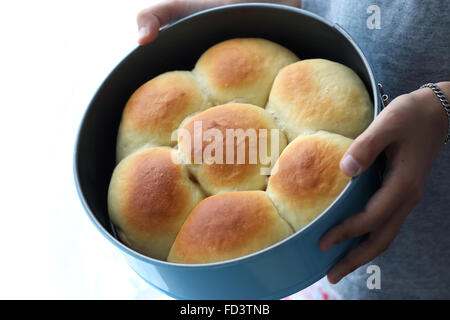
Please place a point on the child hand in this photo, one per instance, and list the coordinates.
(157, 16)
(410, 131)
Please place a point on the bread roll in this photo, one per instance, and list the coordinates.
(319, 94)
(156, 109)
(149, 198)
(239, 167)
(228, 226)
(242, 69)
(211, 199)
(306, 178)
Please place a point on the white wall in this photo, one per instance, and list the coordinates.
(53, 57)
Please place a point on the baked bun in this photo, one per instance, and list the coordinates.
(306, 178)
(228, 226)
(319, 94)
(228, 120)
(156, 109)
(149, 198)
(242, 69)
(239, 166)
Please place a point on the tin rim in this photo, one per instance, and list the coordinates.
(353, 183)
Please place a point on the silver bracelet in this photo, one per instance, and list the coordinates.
(440, 94)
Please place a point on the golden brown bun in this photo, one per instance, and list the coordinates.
(244, 84)
(306, 178)
(228, 226)
(149, 198)
(156, 109)
(242, 69)
(319, 94)
(216, 177)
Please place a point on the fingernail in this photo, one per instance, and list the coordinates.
(143, 32)
(349, 166)
(334, 278)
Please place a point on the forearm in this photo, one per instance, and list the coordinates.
(430, 101)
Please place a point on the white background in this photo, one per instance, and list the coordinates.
(53, 57)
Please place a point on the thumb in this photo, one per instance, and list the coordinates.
(365, 149)
(148, 28)
(156, 16)
(151, 19)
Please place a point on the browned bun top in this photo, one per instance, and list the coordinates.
(242, 69)
(306, 178)
(235, 112)
(156, 109)
(318, 94)
(228, 226)
(238, 167)
(149, 198)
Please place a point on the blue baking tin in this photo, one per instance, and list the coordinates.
(279, 270)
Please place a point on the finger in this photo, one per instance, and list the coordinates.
(366, 148)
(375, 244)
(149, 30)
(378, 209)
(151, 19)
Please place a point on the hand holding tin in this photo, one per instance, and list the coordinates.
(410, 132)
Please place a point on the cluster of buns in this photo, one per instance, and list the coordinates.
(167, 206)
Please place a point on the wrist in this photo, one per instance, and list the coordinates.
(430, 103)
